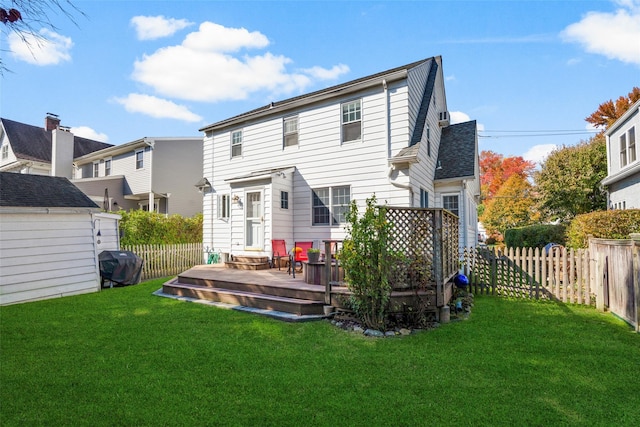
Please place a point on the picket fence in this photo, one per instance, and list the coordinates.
(167, 260)
(556, 273)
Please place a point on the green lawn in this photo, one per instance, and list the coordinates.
(126, 357)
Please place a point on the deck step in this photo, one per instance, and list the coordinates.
(295, 306)
(243, 265)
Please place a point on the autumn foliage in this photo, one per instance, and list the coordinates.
(495, 170)
(610, 111)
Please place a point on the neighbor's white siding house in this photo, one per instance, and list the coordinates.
(623, 161)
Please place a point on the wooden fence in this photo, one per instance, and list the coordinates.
(557, 273)
(606, 275)
(167, 260)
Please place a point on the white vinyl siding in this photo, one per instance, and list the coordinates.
(47, 256)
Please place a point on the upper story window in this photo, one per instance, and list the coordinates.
(284, 200)
(139, 159)
(5, 152)
(107, 167)
(450, 203)
(628, 153)
(236, 143)
(96, 169)
(330, 205)
(351, 121)
(290, 136)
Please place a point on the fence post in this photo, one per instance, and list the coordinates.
(599, 278)
(636, 281)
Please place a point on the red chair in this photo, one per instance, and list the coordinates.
(278, 252)
(298, 255)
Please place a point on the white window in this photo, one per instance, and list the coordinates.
(284, 200)
(424, 198)
(139, 159)
(330, 205)
(623, 150)
(631, 144)
(290, 131)
(96, 169)
(224, 206)
(450, 203)
(236, 143)
(5, 152)
(351, 121)
(107, 167)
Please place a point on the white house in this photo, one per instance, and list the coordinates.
(50, 238)
(623, 161)
(290, 169)
(156, 172)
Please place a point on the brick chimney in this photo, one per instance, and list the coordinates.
(51, 122)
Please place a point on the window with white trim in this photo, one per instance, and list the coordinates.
(424, 198)
(139, 159)
(96, 169)
(224, 206)
(290, 129)
(5, 151)
(330, 205)
(284, 200)
(631, 144)
(107, 167)
(450, 203)
(236, 143)
(351, 121)
(623, 150)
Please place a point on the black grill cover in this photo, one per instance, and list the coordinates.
(120, 267)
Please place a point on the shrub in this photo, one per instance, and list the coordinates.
(614, 224)
(366, 265)
(139, 227)
(535, 236)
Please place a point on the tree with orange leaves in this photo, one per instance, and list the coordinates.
(610, 111)
(496, 169)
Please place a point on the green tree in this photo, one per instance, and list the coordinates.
(512, 206)
(568, 183)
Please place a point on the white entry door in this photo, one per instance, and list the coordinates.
(254, 220)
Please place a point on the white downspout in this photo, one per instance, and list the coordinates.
(465, 237)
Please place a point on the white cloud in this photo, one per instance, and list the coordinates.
(614, 35)
(156, 107)
(155, 27)
(458, 117)
(45, 48)
(450, 78)
(87, 132)
(327, 74)
(539, 153)
(202, 68)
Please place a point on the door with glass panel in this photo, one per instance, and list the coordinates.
(254, 220)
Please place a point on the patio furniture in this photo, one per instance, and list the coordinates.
(299, 255)
(279, 252)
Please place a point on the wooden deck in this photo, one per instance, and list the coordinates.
(271, 292)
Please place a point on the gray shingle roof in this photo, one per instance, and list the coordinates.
(40, 191)
(30, 142)
(457, 153)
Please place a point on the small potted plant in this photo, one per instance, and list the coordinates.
(314, 255)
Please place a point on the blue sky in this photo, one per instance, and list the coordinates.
(528, 71)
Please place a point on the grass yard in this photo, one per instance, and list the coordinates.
(126, 357)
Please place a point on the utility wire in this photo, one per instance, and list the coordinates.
(534, 133)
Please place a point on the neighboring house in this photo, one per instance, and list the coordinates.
(50, 237)
(623, 161)
(160, 173)
(34, 150)
(289, 170)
